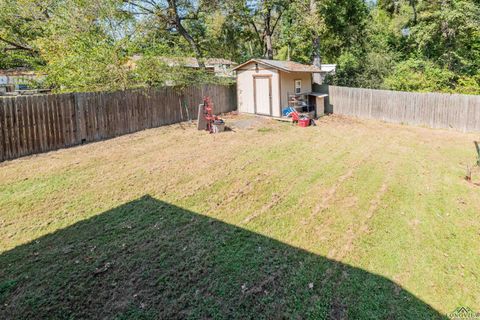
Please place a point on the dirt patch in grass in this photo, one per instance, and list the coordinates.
(248, 122)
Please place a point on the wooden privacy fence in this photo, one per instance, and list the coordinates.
(34, 124)
(435, 110)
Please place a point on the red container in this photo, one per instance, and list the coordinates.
(304, 122)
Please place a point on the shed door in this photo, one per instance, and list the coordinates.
(263, 95)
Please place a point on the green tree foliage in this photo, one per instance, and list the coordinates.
(420, 75)
(152, 71)
(22, 22)
(372, 58)
(422, 45)
(338, 25)
(413, 45)
(80, 49)
(84, 62)
(448, 31)
(183, 17)
(259, 21)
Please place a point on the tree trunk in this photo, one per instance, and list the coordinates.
(413, 3)
(17, 46)
(175, 20)
(269, 47)
(396, 7)
(193, 44)
(267, 35)
(316, 58)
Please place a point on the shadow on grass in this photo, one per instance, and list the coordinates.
(148, 259)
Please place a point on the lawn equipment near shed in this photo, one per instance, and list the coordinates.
(300, 119)
(207, 120)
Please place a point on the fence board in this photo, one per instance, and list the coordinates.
(10, 133)
(7, 136)
(52, 129)
(27, 126)
(16, 126)
(3, 147)
(39, 113)
(435, 110)
(42, 123)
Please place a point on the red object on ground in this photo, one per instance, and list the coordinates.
(208, 113)
(294, 116)
(304, 122)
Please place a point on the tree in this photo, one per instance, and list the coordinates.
(448, 32)
(263, 16)
(316, 57)
(80, 50)
(413, 4)
(22, 22)
(171, 15)
(394, 7)
(437, 49)
(419, 75)
(306, 19)
(396, 44)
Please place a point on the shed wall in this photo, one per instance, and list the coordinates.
(245, 88)
(288, 84)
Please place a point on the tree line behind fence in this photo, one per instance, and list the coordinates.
(434, 110)
(35, 124)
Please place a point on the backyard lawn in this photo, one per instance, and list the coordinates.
(347, 220)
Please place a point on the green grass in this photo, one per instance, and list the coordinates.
(265, 130)
(350, 219)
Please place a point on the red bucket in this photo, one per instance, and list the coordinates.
(304, 122)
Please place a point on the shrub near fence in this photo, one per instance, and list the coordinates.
(434, 110)
(35, 124)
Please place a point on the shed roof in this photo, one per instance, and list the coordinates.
(288, 66)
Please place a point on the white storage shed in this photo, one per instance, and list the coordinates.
(264, 86)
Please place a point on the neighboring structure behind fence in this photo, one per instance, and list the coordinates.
(435, 110)
(34, 124)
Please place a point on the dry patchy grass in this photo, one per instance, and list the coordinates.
(352, 218)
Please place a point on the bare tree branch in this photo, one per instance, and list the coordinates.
(139, 6)
(17, 46)
(276, 22)
(175, 20)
